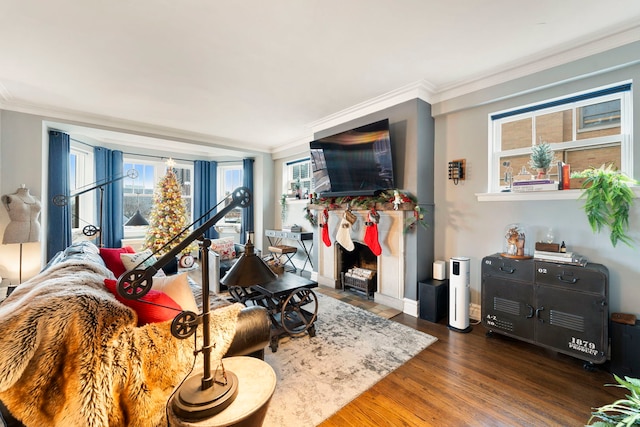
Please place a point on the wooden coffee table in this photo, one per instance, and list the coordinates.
(290, 302)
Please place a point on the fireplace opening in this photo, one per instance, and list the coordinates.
(358, 268)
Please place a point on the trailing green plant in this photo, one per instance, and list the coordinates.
(623, 412)
(542, 156)
(608, 199)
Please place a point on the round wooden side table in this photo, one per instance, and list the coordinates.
(256, 383)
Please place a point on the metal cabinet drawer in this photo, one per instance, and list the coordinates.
(592, 279)
(513, 269)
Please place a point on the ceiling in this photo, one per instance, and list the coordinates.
(263, 75)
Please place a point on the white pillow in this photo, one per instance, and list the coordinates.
(177, 287)
(131, 261)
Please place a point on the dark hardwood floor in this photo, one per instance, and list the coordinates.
(475, 380)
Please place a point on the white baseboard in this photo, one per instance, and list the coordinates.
(388, 301)
(410, 307)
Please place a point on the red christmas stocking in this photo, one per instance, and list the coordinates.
(371, 236)
(325, 229)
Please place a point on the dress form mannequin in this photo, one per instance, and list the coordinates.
(24, 211)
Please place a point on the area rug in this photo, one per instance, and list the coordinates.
(352, 350)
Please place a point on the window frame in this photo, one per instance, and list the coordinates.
(621, 91)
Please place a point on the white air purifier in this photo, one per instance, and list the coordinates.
(459, 294)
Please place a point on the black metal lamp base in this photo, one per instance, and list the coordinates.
(191, 403)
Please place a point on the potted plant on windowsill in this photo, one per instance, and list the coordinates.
(542, 156)
(608, 199)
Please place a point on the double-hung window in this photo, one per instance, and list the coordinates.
(586, 129)
(229, 178)
(298, 178)
(81, 176)
(138, 192)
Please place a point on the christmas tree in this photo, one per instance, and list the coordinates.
(168, 216)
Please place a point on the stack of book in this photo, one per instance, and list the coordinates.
(560, 257)
(534, 185)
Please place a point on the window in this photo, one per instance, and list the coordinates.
(230, 178)
(600, 116)
(138, 192)
(586, 129)
(82, 207)
(298, 175)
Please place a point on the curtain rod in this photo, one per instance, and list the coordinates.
(176, 158)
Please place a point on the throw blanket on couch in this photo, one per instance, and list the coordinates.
(71, 355)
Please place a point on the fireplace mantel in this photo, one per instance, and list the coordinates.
(391, 262)
(340, 207)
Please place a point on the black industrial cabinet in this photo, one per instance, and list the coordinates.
(558, 306)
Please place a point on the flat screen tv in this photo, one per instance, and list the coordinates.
(357, 162)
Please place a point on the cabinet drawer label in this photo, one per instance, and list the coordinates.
(583, 346)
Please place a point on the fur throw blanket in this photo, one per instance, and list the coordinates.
(72, 355)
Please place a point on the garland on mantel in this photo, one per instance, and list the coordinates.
(400, 200)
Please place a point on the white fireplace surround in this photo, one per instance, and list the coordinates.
(391, 262)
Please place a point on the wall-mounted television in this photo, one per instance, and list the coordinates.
(357, 162)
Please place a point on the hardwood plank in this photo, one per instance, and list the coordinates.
(475, 380)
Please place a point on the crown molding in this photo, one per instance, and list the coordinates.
(420, 89)
(4, 93)
(541, 62)
(112, 124)
(299, 146)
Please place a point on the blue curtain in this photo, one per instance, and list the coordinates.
(109, 166)
(58, 217)
(247, 213)
(205, 193)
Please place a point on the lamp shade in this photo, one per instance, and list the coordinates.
(249, 270)
(137, 219)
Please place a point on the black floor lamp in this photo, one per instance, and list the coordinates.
(91, 230)
(205, 394)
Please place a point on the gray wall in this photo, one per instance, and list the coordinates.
(411, 132)
(467, 227)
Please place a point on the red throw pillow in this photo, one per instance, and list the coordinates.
(111, 258)
(154, 307)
